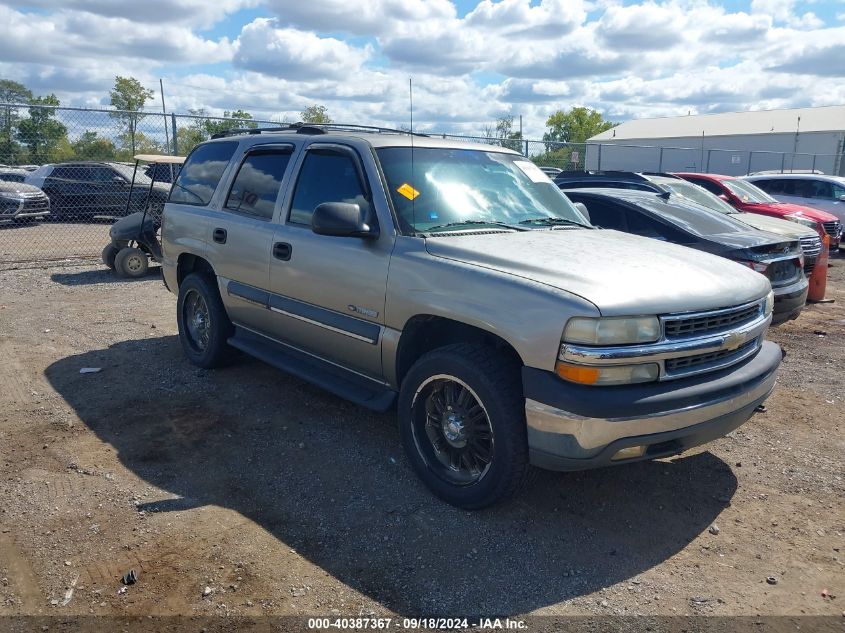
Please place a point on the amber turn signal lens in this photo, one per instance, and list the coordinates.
(575, 373)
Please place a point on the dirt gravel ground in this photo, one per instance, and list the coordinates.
(244, 491)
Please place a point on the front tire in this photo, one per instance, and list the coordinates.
(462, 423)
(204, 326)
(131, 262)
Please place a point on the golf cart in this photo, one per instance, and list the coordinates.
(134, 237)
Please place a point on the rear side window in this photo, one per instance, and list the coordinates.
(201, 173)
(326, 176)
(66, 172)
(641, 224)
(257, 184)
(775, 186)
(605, 215)
(103, 174)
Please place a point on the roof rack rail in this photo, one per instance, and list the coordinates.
(664, 174)
(616, 173)
(313, 128)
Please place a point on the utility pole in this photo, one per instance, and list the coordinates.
(164, 116)
(795, 145)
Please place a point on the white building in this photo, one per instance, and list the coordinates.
(734, 143)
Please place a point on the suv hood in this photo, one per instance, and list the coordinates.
(620, 274)
(751, 238)
(787, 208)
(790, 230)
(17, 187)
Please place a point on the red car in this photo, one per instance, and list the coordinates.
(747, 197)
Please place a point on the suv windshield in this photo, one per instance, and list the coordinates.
(439, 188)
(747, 192)
(695, 193)
(126, 171)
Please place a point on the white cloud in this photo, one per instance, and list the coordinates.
(361, 17)
(194, 12)
(266, 47)
(529, 57)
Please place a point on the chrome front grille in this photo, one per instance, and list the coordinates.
(712, 360)
(831, 228)
(36, 204)
(711, 322)
(811, 245)
(692, 343)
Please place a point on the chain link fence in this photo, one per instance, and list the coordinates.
(66, 173)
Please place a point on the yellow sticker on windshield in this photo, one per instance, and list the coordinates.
(408, 191)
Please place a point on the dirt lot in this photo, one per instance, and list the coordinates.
(272, 497)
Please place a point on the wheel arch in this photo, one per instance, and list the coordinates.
(425, 332)
(189, 263)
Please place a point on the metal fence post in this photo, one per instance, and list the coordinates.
(707, 169)
(599, 157)
(660, 160)
(173, 127)
(814, 163)
(748, 168)
(782, 162)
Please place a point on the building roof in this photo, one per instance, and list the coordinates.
(822, 119)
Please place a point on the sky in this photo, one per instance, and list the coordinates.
(470, 61)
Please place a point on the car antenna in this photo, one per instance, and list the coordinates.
(413, 181)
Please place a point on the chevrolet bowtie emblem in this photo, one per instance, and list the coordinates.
(734, 340)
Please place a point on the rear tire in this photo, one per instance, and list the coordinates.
(131, 262)
(462, 423)
(204, 326)
(108, 255)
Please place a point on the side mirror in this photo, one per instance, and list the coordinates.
(583, 209)
(118, 180)
(842, 198)
(724, 197)
(341, 219)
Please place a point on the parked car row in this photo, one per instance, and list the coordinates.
(81, 191)
(459, 284)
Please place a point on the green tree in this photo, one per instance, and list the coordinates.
(502, 133)
(11, 92)
(90, 146)
(140, 143)
(315, 114)
(236, 120)
(575, 125)
(42, 134)
(188, 137)
(129, 97)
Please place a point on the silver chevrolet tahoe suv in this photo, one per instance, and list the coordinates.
(455, 282)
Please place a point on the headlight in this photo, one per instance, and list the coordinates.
(802, 220)
(612, 331)
(610, 375)
(770, 303)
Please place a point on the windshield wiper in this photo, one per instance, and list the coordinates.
(551, 221)
(477, 223)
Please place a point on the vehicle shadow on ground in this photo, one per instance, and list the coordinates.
(101, 276)
(328, 479)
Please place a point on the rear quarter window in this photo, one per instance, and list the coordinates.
(201, 173)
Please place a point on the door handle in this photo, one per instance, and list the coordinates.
(282, 250)
(219, 236)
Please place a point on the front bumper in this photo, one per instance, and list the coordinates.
(574, 427)
(790, 300)
(18, 209)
